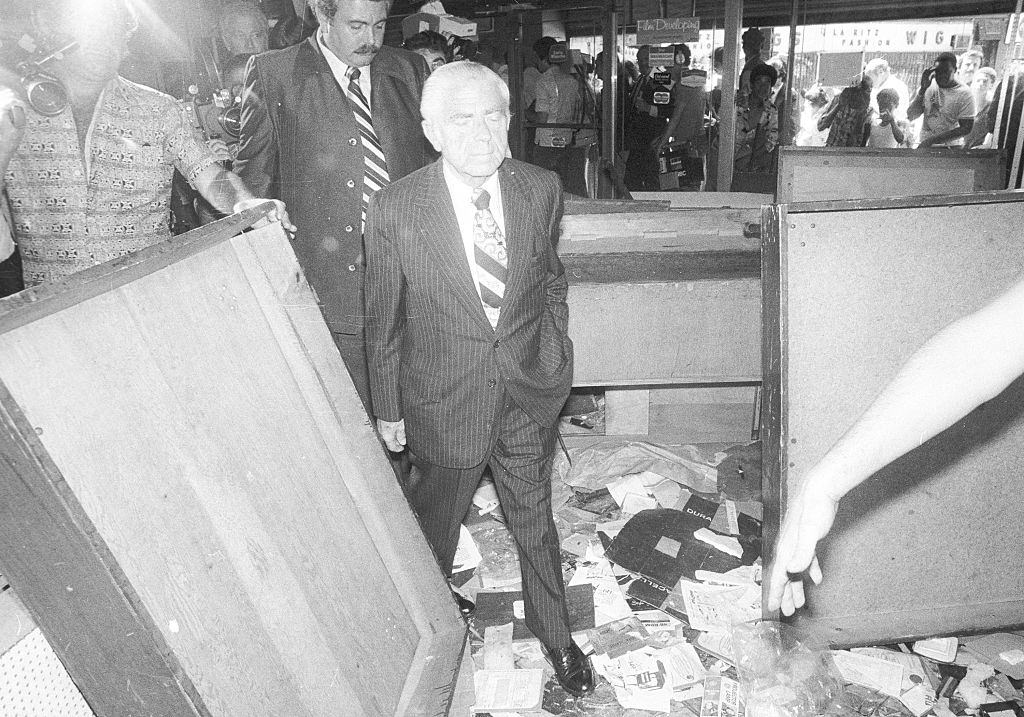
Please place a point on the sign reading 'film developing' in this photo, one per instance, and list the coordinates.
(667, 29)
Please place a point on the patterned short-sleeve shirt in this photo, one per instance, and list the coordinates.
(74, 207)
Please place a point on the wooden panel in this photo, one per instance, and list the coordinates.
(627, 411)
(208, 447)
(702, 229)
(930, 544)
(808, 174)
(660, 266)
(690, 200)
(666, 333)
(717, 414)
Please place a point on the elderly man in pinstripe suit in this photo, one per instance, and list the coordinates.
(469, 357)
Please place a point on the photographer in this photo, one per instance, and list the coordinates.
(90, 182)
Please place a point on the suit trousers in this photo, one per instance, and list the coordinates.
(520, 461)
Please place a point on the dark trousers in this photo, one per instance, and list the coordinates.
(642, 167)
(569, 163)
(520, 461)
(352, 348)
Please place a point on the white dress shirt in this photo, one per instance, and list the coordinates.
(465, 212)
(339, 68)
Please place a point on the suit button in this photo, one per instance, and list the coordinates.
(349, 228)
(497, 343)
(491, 383)
(352, 141)
(351, 267)
(350, 184)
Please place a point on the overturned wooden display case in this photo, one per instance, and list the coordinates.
(193, 505)
(929, 545)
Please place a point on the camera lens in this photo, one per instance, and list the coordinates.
(46, 96)
(231, 120)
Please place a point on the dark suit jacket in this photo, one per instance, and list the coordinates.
(434, 359)
(300, 143)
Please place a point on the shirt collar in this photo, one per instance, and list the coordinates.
(339, 68)
(461, 192)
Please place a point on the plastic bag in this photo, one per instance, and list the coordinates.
(781, 676)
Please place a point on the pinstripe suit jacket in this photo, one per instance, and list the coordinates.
(300, 143)
(435, 361)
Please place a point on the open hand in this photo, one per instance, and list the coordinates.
(808, 520)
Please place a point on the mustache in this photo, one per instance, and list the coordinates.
(367, 50)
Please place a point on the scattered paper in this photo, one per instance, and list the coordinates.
(486, 497)
(577, 544)
(732, 515)
(640, 680)
(609, 602)
(625, 486)
(633, 503)
(505, 690)
(919, 699)
(693, 692)
(1013, 657)
(993, 646)
(467, 555)
(498, 648)
(615, 639)
(656, 620)
(914, 676)
(743, 575)
(666, 492)
(725, 543)
(722, 697)
(592, 467)
(716, 609)
(684, 665)
(881, 675)
(718, 644)
(940, 649)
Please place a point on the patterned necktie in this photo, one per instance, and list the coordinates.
(491, 259)
(375, 168)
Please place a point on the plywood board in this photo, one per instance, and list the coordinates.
(697, 229)
(808, 174)
(666, 333)
(685, 200)
(200, 434)
(931, 544)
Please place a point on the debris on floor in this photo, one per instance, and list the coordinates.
(661, 554)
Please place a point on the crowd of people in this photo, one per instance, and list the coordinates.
(952, 106)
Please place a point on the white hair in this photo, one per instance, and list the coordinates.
(444, 79)
(879, 64)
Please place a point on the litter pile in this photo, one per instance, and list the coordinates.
(662, 558)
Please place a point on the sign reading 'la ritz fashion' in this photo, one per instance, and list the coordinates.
(667, 29)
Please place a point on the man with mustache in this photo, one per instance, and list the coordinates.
(325, 123)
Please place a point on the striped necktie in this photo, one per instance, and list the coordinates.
(490, 256)
(375, 168)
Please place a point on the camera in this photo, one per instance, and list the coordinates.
(44, 93)
(220, 118)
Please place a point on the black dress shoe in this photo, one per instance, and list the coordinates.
(466, 606)
(572, 669)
